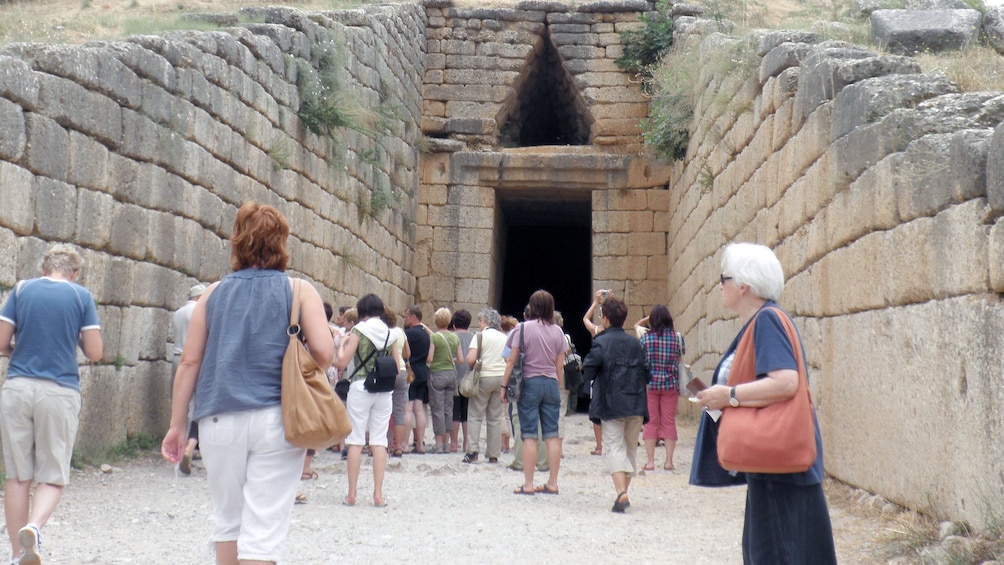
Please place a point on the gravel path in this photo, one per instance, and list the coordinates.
(439, 510)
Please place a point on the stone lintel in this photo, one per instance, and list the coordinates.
(574, 169)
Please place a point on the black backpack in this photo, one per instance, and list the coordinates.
(383, 376)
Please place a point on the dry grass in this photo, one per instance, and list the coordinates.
(975, 69)
(77, 21)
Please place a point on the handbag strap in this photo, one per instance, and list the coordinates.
(746, 343)
(480, 335)
(294, 311)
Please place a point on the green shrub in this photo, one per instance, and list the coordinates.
(645, 47)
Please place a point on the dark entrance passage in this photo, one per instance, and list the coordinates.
(548, 245)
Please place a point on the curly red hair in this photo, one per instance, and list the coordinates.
(259, 238)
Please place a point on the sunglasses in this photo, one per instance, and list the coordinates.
(723, 278)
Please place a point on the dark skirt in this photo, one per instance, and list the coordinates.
(786, 524)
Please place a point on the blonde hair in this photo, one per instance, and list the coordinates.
(63, 258)
(442, 318)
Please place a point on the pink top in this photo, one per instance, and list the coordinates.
(543, 344)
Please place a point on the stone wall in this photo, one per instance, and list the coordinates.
(880, 189)
(140, 152)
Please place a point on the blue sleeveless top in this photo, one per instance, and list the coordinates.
(246, 319)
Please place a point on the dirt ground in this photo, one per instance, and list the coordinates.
(439, 509)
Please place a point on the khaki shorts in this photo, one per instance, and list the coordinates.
(38, 422)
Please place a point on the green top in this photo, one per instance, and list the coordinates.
(446, 350)
(362, 351)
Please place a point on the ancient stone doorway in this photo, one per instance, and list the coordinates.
(546, 244)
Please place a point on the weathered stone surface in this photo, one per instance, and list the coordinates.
(993, 28)
(782, 57)
(47, 147)
(943, 114)
(613, 6)
(823, 76)
(18, 210)
(969, 158)
(74, 106)
(543, 6)
(926, 186)
(55, 209)
(995, 174)
(908, 32)
(773, 39)
(14, 138)
(692, 10)
(870, 99)
(18, 82)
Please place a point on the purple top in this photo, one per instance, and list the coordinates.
(542, 345)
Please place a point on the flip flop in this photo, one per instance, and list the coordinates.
(300, 499)
(309, 475)
(381, 505)
(522, 490)
(669, 468)
(544, 489)
(648, 467)
(345, 502)
(597, 451)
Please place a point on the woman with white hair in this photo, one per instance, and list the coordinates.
(486, 406)
(787, 520)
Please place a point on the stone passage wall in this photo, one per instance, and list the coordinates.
(880, 189)
(141, 151)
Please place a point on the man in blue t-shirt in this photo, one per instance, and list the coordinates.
(41, 325)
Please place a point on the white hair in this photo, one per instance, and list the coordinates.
(755, 266)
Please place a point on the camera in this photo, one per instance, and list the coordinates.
(605, 293)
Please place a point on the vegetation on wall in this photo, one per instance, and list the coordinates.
(327, 107)
(644, 48)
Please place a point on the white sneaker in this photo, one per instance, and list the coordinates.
(30, 539)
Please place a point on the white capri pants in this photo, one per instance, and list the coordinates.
(253, 474)
(368, 411)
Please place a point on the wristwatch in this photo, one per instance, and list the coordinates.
(733, 401)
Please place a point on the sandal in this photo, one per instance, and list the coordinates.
(544, 489)
(397, 453)
(308, 475)
(619, 506)
(669, 467)
(300, 498)
(648, 467)
(522, 490)
(597, 451)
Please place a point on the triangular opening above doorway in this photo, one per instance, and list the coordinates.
(547, 108)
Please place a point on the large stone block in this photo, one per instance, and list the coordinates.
(622, 222)
(74, 106)
(993, 27)
(647, 244)
(959, 249)
(18, 82)
(14, 138)
(780, 58)
(925, 185)
(869, 100)
(909, 32)
(17, 187)
(94, 215)
(55, 209)
(129, 230)
(47, 147)
(88, 161)
(995, 172)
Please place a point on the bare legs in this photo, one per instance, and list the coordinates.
(20, 508)
(598, 434)
(379, 469)
(530, 461)
(226, 554)
(415, 407)
(650, 453)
